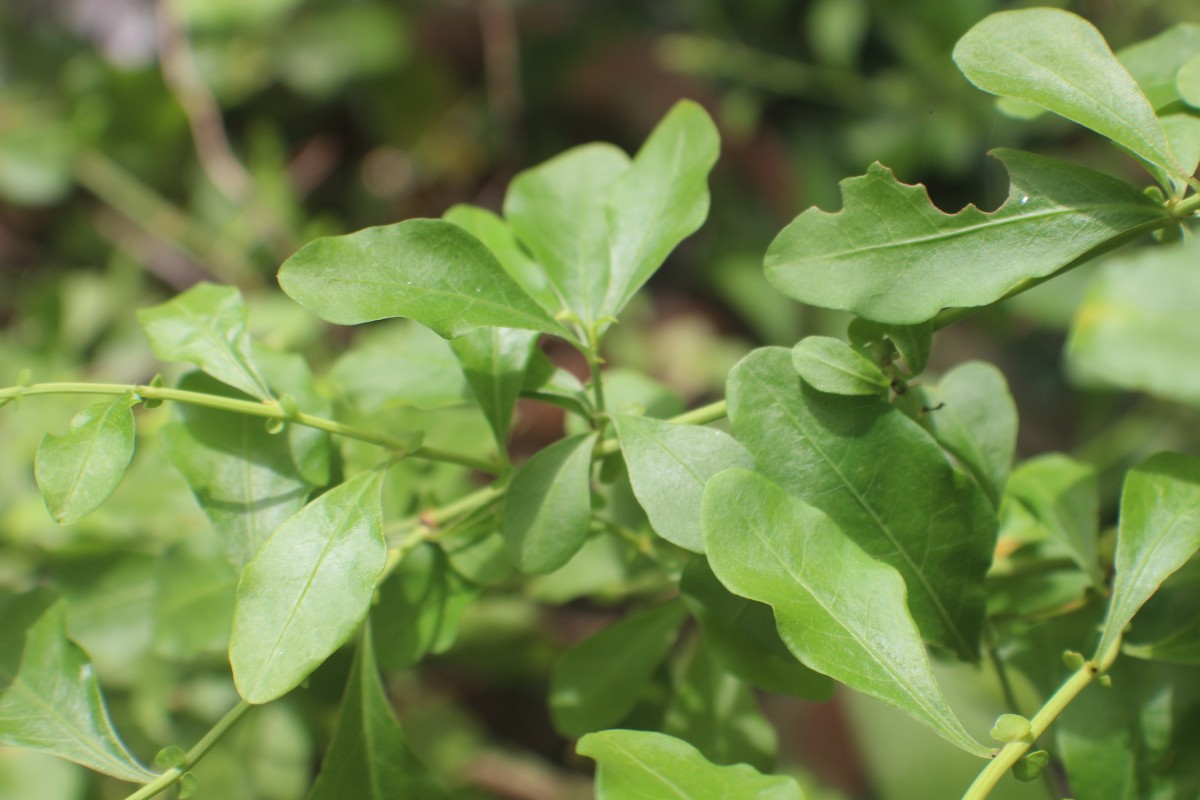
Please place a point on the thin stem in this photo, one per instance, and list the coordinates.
(265, 409)
(1013, 752)
(171, 776)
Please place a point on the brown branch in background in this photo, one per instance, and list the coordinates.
(502, 67)
(203, 114)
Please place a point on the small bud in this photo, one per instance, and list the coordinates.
(1011, 728)
(274, 426)
(187, 785)
(1105, 681)
(170, 757)
(1030, 767)
(287, 404)
(155, 383)
(1073, 660)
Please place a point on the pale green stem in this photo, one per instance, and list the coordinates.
(1013, 752)
(265, 409)
(171, 776)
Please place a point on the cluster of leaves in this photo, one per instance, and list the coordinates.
(849, 526)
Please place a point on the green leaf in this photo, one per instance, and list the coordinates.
(1155, 62)
(52, 701)
(499, 238)
(1059, 61)
(1137, 327)
(307, 588)
(288, 374)
(369, 757)
(668, 467)
(659, 201)
(718, 714)
(832, 366)
(548, 505)
(971, 414)
(601, 225)
(206, 326)
(1187, 82)
(642, 765)
(1159, 531)
(80, 469)
(245, 479)
(598, 681)
(405, 364)
(914, 344)
(194, 606)
(427, 270)
(550, 384)
(495, 361)
(742, 635)
(839, 610)
(882, 479)
(924, 260)
(1062, 494)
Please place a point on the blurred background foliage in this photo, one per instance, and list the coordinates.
(147, 146)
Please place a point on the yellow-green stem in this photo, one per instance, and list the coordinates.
(172, 776)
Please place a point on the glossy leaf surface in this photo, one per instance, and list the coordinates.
(77, 471)
(1060, 62)
(245, 479)
(832, 366)
(643, 765)
(548, 505)
(307, 588)
(882, 479)
(1159, 531)
(598, 681)
(495, 361)
(668, 467)
(430, 271)
(838, 610)
(971, 414)
(742, 635)
(206, 326)
(924, 260)
(369, 757)
(51, 699)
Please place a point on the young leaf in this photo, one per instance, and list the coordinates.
(882, 479)
(1137, 327)
(742, 635)
(206, 326)
(924, 260)
(659, 201)
(548, 505)
(1062, 494)
(428, 270)
(498, 237)
(80, 469)
(307, 588)
(244, 479)
(642, 765)
(494, 361)
(550, 384)
(971, 414)
(1059, 61)
(1159, 531)
(369, 757)
(51, 699)
(838, 610)
(668, 466)
(832, 366)
(913, 343)
(598, 681)
(719, 715)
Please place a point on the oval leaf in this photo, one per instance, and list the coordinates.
(1059, 61)
(498, 237)
(548, 505)
(307, 589)
(838, 610)
(668, 467)
(883, 479)
(643, 765)
(52, 701)
(924, 260)
(495, 361)
(1159, 531)
(206, 326)
(427, 270)
(369, 757)
(598, 681)
(832, 366)
(79, 470)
